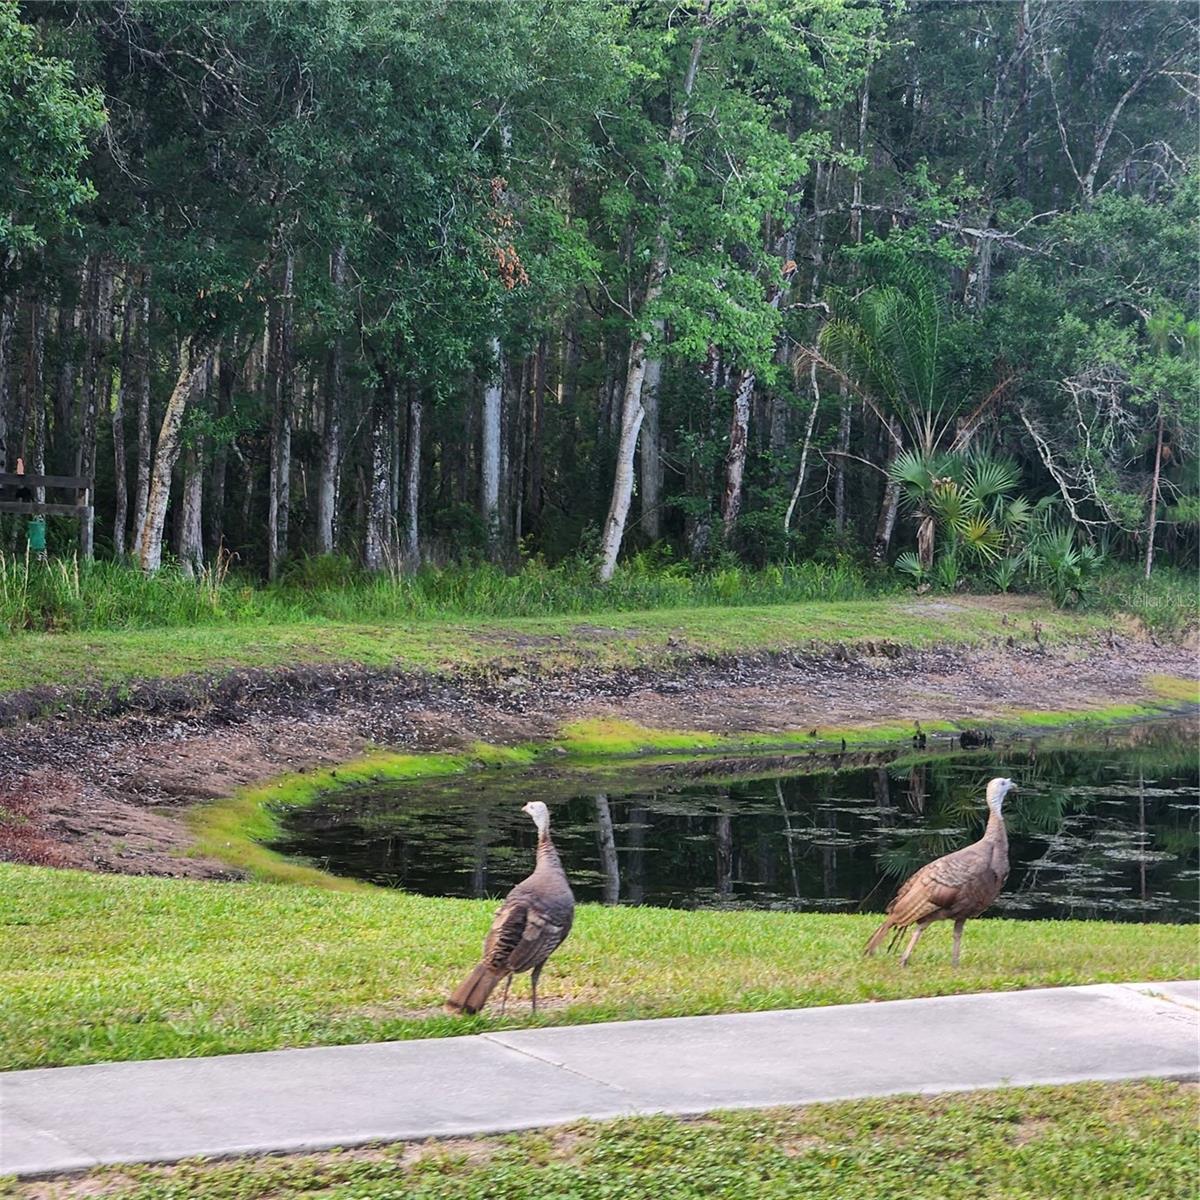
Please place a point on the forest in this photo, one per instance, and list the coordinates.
(316, 288)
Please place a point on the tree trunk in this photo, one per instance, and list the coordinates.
(735, 460)
(815, 385)
(569, 389)
(651, 456)
(193, 366)
(8, 308)
(535, 466)
(64, 387)
(632, 415)
(517, 457)
(331, 448)
(489, 461)
(632, 410)
(281, 387)
(1154, 496)
(379, 525)
(97, 390)
(926, 534)
(220, 465)
(128, 333)
(411, 548)
(839, 470)
(35, 394)
(141, 494)
(191, 540)
(886, 523)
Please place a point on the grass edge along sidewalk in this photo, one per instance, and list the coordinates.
(1086, 1141)
(169, 1110)
(118, 968)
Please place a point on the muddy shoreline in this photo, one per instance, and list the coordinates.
(98, 779)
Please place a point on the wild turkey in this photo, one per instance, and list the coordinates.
(529, 926)
(954, 887)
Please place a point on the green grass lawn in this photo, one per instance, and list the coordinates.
(605, 640)
(1133, 1141)
(96, 968)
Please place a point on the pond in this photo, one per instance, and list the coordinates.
(1103, 829)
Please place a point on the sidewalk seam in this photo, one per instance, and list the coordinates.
(1162, 997)
(549, 1062)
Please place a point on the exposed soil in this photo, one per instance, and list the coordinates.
(101, 783)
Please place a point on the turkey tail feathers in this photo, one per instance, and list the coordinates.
(878, 936)
(472, 994)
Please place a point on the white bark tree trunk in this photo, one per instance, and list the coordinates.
(191, 538)
(141, 491)
(97, 383)
(37, 392)
(633, 411)
(331, 443)
(632, 415)
(281, 427)
(489, 465)
(735, 460)
(379, 524)
(8, 308)
(193, 366)
(815, 385)
(886, 524)
(124, 389)
(650, 462)
(412, 481)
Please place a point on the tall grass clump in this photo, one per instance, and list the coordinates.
(570, 588)
(65, 594)
(1167, 603)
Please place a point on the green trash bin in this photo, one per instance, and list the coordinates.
(36, 533)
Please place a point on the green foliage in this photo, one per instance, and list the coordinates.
(1069, 571)
(891, 342)
(65, 594)
(46, 121)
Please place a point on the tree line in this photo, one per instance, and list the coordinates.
(432, 281)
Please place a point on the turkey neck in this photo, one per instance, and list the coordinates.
(996, 835)
(547, 855)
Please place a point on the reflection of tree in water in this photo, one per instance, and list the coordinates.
(606, 840)
(1093, 833)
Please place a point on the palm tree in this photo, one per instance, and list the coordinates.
(889, 343)
(966, 494)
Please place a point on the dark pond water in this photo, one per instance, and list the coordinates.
(1096, 831)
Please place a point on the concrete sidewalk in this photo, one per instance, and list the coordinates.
(69, 1118)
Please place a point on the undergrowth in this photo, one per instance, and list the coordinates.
(67, 595)
(64, 594)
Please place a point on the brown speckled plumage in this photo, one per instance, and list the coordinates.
(528, 927)
(955, 887)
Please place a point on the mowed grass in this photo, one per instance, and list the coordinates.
(1084, 1142)
(605, 640)
(96, 968)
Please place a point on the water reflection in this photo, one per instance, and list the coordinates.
(1099, 831)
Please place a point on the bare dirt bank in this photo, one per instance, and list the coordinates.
(101, 785)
